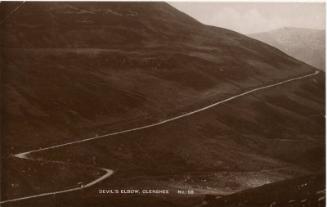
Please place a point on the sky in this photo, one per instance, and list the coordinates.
(247, 18)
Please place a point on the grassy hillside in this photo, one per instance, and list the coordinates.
(78, 69)
(304, 191)
(75, 70)
(273, 137)
(276, 135)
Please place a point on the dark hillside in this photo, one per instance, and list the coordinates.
(77, 69)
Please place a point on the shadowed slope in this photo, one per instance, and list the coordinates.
(74, 70)
(77, 69)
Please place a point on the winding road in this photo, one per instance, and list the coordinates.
(109, 172)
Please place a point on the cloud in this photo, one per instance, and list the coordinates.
(246, 22)
(256, 17)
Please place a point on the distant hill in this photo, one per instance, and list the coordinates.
(79, 68)
(304, 44)
(75, 70)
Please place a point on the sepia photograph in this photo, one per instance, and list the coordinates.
(162, 104)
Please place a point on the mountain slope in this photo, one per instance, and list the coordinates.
(76, 69)
(307, 45)
(304, 191)
(266, 137)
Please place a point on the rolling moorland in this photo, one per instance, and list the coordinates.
(77, 70)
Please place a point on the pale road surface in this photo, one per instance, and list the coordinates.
(109, 172)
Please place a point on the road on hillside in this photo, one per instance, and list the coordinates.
(109, 172)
